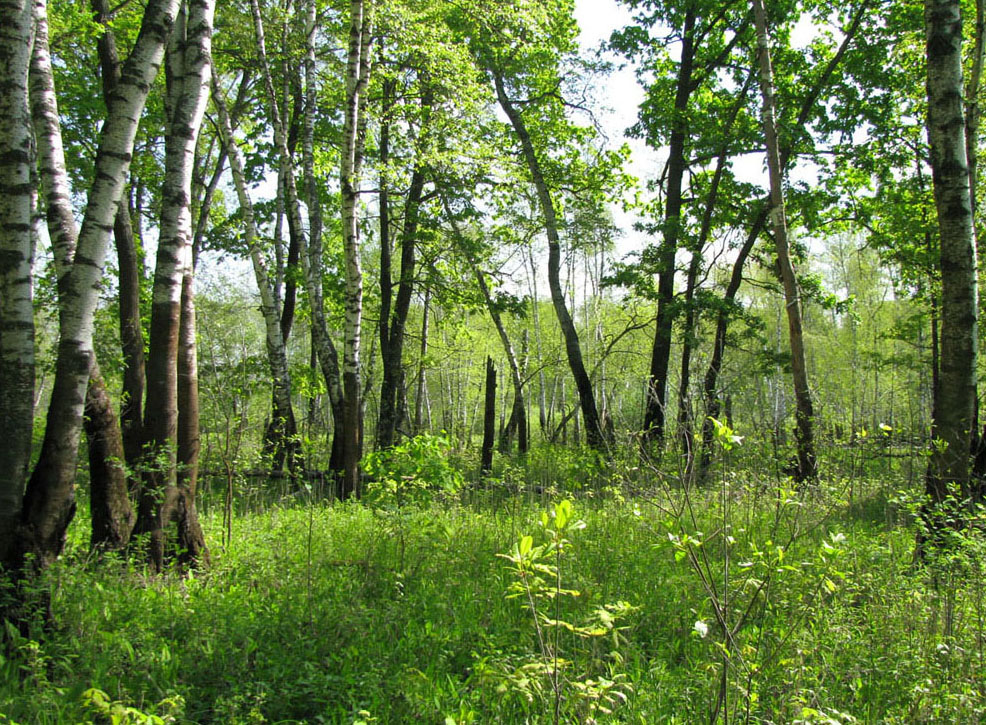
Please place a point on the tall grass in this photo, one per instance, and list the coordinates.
(342, 613)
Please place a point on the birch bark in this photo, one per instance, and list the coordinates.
(161, 499)
(948, 468)
(49, 502)
(16, 256)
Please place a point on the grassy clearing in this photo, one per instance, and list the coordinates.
(344, 613)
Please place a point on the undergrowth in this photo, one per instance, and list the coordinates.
(744, 601)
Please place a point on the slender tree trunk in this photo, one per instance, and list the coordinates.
(711, 384)
(518, 414)
(420, 392)
(131, 332)
(277, 357)
(807, 467)
(392, 329)
(311, 258)
(16, 255)
(654, 414)
(111, 513)
(948, 468)
(489, 419)
(595, 435)
(357, 78)
(685, 422)
(162, 500)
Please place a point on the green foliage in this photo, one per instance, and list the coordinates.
(413, 471)
(537, 584)
(287, 627)
(102, 709)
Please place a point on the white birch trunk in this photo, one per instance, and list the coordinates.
(276, 352)
(188, 72)
(49, 501)
(949, 463)
(357, 76)
(16, 310)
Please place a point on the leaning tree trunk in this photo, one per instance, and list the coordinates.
(518, 413)
(948, 468)
(713, 405)
(162, 500)
(131, 331)
(595, 435)
(277, 357)
(807, 467)
(110, 510)
(16, 253)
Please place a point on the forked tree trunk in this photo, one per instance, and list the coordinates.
(110, 509)
(162, 499)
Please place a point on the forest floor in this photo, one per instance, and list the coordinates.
(743, 599)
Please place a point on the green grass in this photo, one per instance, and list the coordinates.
(339, 614)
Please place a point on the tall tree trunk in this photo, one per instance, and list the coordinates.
(685, 421)
(948, 468)
(807, 467)
(111, 513)
(131, 332)
(595, 435)
(357, 78)
(49, 502)
(16, 255)
(654, 413)
(277, 357)
(711, 383)
(311, 258)
(392, 325)
(162, 500)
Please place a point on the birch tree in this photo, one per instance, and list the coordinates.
(948, 468)
(49, 499)
(162, 500)
(351, 156)
(16, 254)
